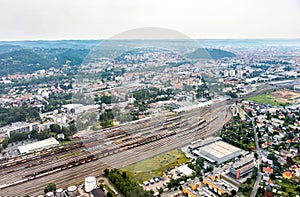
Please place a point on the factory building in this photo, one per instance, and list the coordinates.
(217, 152)
(90, 183)
(37, 146)
(243, 166)
(72, 191)
(200, 143)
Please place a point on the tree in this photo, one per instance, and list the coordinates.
(233, 192)
(210, 168)
(272, 176)
(109, 194)
(127, 186)
(255, 155)
(254, 173)
(298, 188)
(101, 186)
(124, 175)
(26, 195)
(271, 156)
(161, 190)
(55, 128)
(200, 161)
(106, 172)
(51, 187)
(33, 134)
(248, 181)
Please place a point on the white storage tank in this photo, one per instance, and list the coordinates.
(49, 194)
(59, 192)
(90, 183)
(72, 191)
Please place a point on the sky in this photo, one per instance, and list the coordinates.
(102, 19)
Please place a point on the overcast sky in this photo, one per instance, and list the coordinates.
(97, 19)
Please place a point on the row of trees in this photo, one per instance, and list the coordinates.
(144, 94)
(126, 184)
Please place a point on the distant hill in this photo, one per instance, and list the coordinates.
(23, 61)
(203, 53)
(31, 60)
(61, 55)
(54, 44)
(5, 48)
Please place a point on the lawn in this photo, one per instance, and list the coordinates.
(266, 99)
(147, 169)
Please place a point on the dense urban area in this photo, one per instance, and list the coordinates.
(150, 118)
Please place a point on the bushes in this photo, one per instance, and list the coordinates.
(51, 187)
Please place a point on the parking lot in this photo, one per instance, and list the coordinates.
(161, 182)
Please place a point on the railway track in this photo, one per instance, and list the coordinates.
(40, 155)
(120, 158)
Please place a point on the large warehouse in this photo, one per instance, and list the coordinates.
(40, 145)
(218, 152)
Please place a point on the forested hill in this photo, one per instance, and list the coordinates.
(203, 53)
(31, 60)
(4, 48)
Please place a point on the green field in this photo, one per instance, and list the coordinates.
(265, 99)
(147, 169)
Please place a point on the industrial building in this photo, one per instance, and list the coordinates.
(217, 152)
(37, 146)
(200, 143)
(72, 191)
(90, 183)
(243, 166)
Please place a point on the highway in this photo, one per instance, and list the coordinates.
(188, 130)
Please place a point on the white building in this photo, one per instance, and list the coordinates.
(19, 127)
(37, 146)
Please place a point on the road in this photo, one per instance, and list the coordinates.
(258, 151)
(258, 179)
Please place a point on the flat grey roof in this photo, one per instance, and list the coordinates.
(219, 149)
(206, 141)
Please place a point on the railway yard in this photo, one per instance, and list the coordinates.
(115, 147)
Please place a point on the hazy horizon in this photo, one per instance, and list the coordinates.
(102, 19)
